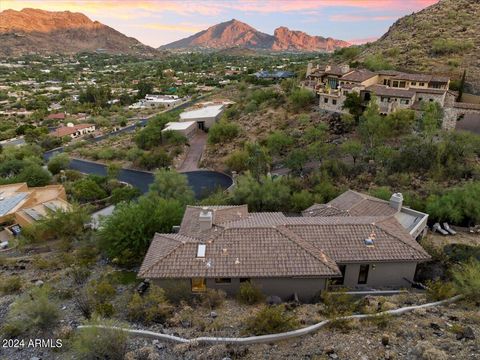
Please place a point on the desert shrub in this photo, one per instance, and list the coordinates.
(10, 285)
(57, 163)
(237, 161)
(249, 294)
(151, 307)
(100, 343)
(337, 303)
(382, 321)
(87, 189)
(343, 325)
(271, 320)
(213, 298)
(100, 293)
(177, 292)
(377, 62)
(439, 290)
(222, 132)
(301, 200)
(301, 98)
(450, 46)
(466, 278)
(126, 193)
(36, 310)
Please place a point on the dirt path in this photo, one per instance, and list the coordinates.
(195, 151)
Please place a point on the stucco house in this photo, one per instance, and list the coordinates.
(204, 116)
(25, 205)
(393, 89)
(354, 241)
(73, 131)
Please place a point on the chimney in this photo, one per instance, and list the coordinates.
(396, 201)
(309, 69)
(345, 68)
(205, 219)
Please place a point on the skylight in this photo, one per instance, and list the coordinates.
(369, 242)
(201, 250)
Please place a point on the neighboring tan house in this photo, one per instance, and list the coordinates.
(393, 89)
(24, 205)
(74, 131)
(152, 101)
(355, 241)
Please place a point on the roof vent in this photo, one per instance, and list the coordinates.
(369, 242)
(201, 250)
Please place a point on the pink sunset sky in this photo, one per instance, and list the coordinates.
(158, 22)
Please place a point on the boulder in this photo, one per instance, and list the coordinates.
(274, 300)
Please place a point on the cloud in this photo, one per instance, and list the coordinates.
(357, 17)
(123, 9)
(180, 27)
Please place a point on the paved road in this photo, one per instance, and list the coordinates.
(202, 182)
(194, 152)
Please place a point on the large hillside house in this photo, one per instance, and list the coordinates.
(355, 241)
(393, 89)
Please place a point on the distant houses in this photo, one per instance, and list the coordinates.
(153, 101)
(274, 75)
(73, 131)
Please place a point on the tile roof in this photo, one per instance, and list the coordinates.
(68, 130)
(238, 252)
(382, 90)
(242, 244)
(358, 75)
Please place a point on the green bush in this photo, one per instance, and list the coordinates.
(451, 46)
(177, 292)
(86, 189)
(249, 293)
(10, 285)
(337, 303)
(271, 320)
(58, 162)
(222, 132)
(100, 294)
(213, 298)
(36, 310)
(152, 307)
(301, 98)
(100, 343)
(439, 290)
(466, 278)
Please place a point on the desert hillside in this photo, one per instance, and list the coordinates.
(444, 37)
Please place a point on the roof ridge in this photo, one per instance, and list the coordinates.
(307, 247)
(159, 258)
(409, 244)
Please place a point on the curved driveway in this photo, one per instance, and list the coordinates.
(202, 182)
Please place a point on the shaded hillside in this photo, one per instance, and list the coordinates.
(235, 33)
(37, 31)
(444, 38)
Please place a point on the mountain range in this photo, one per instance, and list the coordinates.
(38, 31)
(235, 33)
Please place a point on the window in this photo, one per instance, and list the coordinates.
(420, 99)
(421, 84)
(223, 280)
(325, 100)
(385, 81)
(339, 281)
(402, 84)
(201, 250)
(199, 285)
(345, 93)
(334, 102)
(363, 274)
(404, 101)
(414, 83)
(395, 84)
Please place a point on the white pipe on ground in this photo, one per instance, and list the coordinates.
(272, 337)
